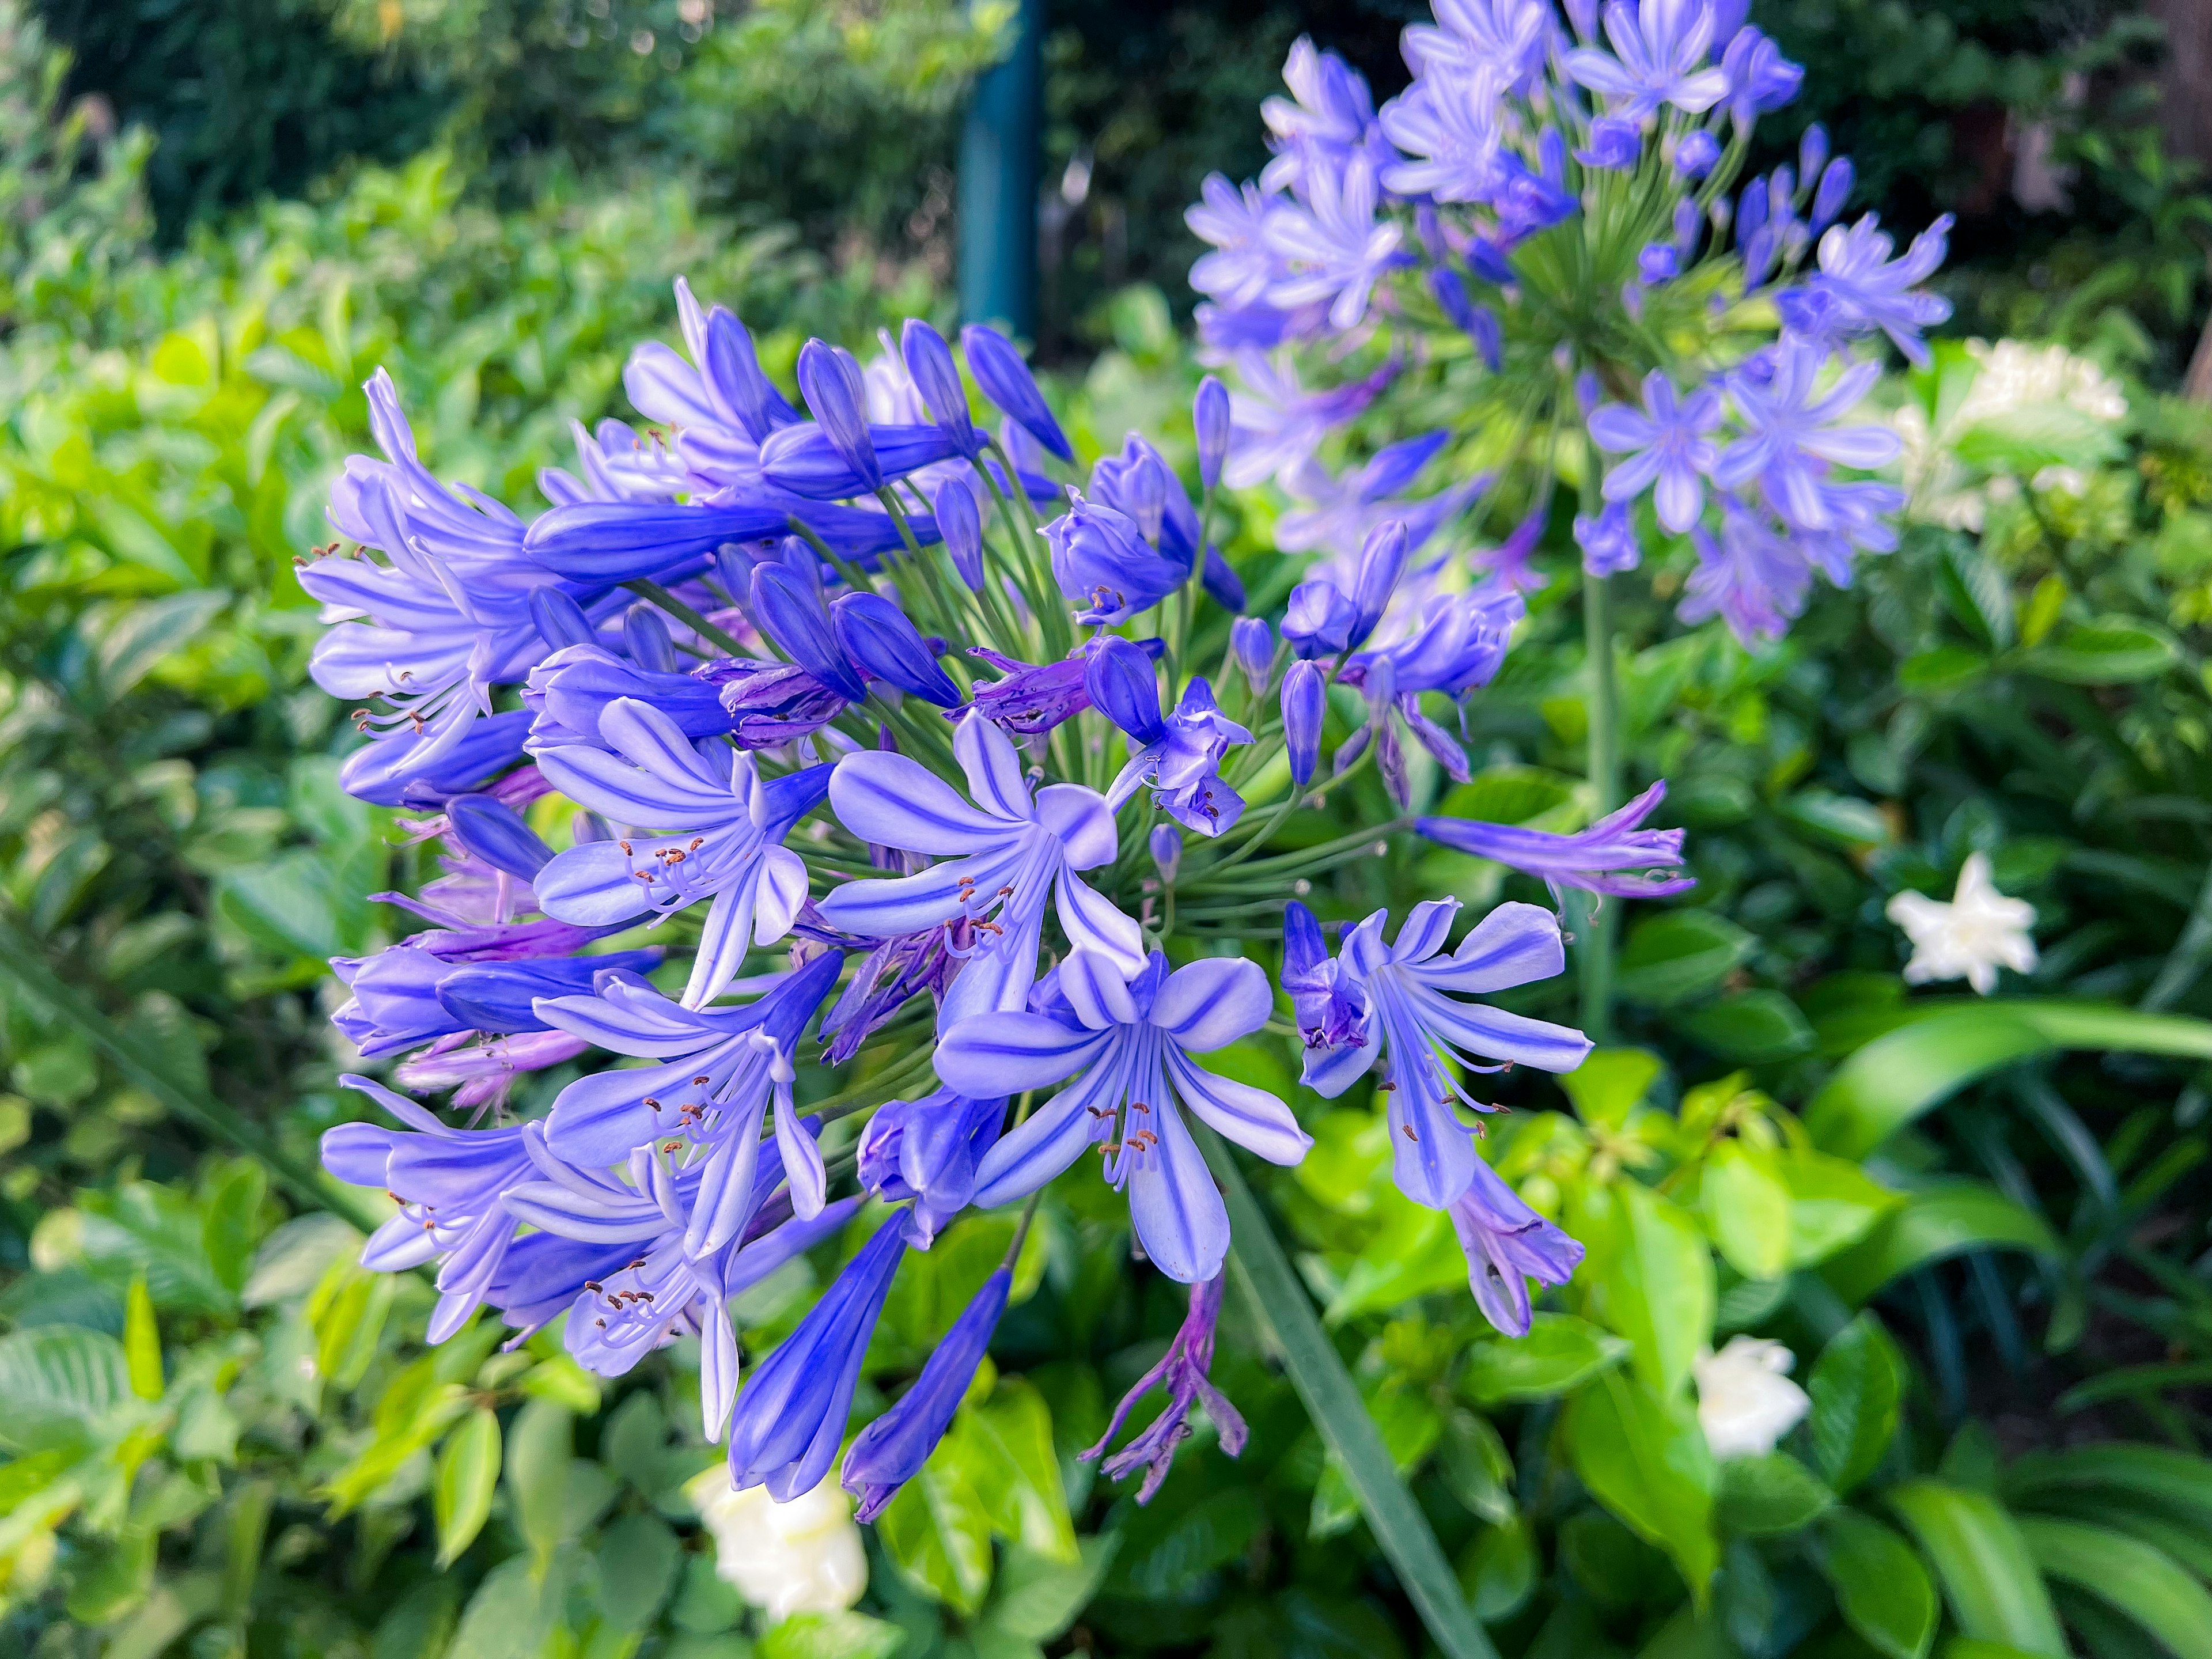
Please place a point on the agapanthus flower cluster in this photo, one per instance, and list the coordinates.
(1552, 220)
(875, 818)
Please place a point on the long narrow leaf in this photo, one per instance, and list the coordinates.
(2137, 1579)
(1988, 1578)
(1331, 1399)
(1941, 1221)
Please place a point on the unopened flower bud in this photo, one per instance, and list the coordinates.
(1167, 851)
(1253, 646)
(937, 377)
(830, 380)
(961, 522)
(560, 621)
(1304, 705)
(1696, 154)
(1813, 151)
(1007, 382)
(1209, 414)
(1835, 189)
(877, 636)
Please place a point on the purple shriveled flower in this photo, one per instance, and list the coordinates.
(1127, 1043)
(1165, 845)
(1667, 444)
(1007, 381)
(926, 1149)
(1305, 704)
(829, 379)
(1179, 755)
(937, 379)
(1791, 431)
(1319, 620)
(1032, 698)
(483, 1071)
(1612, 856)
(1252, 646)
(1182, 1371)
(1005, 857)
(877, 636)
(1209, 414)
(724, 842)
(1100, 558)
(891, 1451)
(1616, 144)
(1512, 564)
(1607, 542)
(1507, 1244)
(1759, 79)
(790, 1417)
(1659, 56)
(960, 521)
(1333, 247)
(1416, 1020)
(1696, 154)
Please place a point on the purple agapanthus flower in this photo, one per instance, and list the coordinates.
(1508, 39)
(1659, 54)
(927, 1149)
(1792, 431)
(1330, 114)
(1333, 247)
(1005, 857)
(891, 1451)
(1760, 80)
(1129, 1044)
(1666, 445)
(1179, 755)
(1418, 1022)
(1242, 267)
(1100, 557)
(1613, 856)
(728, 829)
(1182, 1371)
(1449, 123)
(1457, 646)
(1508, 1244)
(1276, 423)
(1748, 576)
(1607, 542)
(1859, 288)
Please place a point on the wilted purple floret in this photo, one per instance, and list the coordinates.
(1182, 1371)
(1415, 1014)
(1612, 856)
(1032, 698)
(1507, 1244)
(891, 1451)
(1128, 1044)
(1179, 755)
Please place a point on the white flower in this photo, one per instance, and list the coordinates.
(800, 1557)
(1745, 1403)
(1978, 932)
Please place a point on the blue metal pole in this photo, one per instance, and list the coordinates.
(999, 163)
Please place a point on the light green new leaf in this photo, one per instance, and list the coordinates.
(1645, 1458)
(1855, 1386)
(1988, 1576)
(142, 1342)
(1037, 1599)
(1653, 1282)
(1746, 1207)
(2138, 1579)
(1607, 1086)
(1940, 1221)
(1881, 1589)
(1559, 1354)
(65, 1387)
(467, 1475)
(538, 1453)
(938, 1529)
(831, 1636)
(1012, 1433)
(1832, 1205)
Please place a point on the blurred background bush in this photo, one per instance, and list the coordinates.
(217, 215)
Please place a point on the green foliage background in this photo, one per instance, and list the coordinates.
(1982, 1228)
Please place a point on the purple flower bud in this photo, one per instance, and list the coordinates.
(492, 831)
(1209, 415)
(877, 636)
(936, 377)
(1100, 559)
(1758, 256)
(1589, 392)
(1120, 680)
(645, 637)
(1751, 212)
(1305, 702)
(1728, 16)
(1007, 382)
(1607, 542)
(559, 619)
(1615, 144)
(1688, 222)
(1253, 646)
(1781, 192)
(1582, 13)
(1696, 154)
(1835, 190)
(830, 380)
(891, 1451)
(1478, 323)
(733, 378)
(1381, 561)
(791, 613)
(1658, 263)
(1813, 151)
(1167, 851)
(1319, 620)
(961, 522)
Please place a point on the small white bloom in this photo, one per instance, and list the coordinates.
(1978, 932)
(800, 1557)
(1745, 1403)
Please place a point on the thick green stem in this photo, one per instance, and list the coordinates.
(1596, 928)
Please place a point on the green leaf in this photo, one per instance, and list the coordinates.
(537, 1458)
(2160, 1475)
(1881, 1589)
(1989, 1578)
(231, 1225)
(1845, 820)
(1414, 1253)
(1857, 1387)
(2138, 1579)
(1559, 1354)
(938, 1529)
(1410, 1426)
(1209, 1535)
(1036, 1598)
(1476, 1466)
(1650, 1274)
(142, 1342)
(509, 1617)
(831, 1636)
(1759, 1497)
(1832, 1205)
(1265, 1276)
(1907, 1072)
(1755, 1028)
(1946, 668)
(1013, 1433)
(1940, 1221)
(638, 1560)
(1747, 1208)
(1500, 1568)
(1676, 956)
(63, 1386)
(468, 1474)
(1645, 1458)
(2110, 653)
(1611, 1082)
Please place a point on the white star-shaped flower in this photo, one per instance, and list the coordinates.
(1978, 932)
(1745, 1403)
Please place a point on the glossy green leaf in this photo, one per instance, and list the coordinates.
(1498, 1571)
(1610, 1082)
(1651, 1275)
(1035, 1599)
(1676, 956)
(1940, 1221)
(938, 1529)
(1475, 1463)
(63, 1387)
(638, 1560)
(2161, 1475)
(1752, 1028)
(1559, 1354)
(538, 1453)
(2134, 1577)
(467, 1475)
(142, 1342)
(1761, 1497)
(1643, 1456)
(1899, 1076)
(1883, 1589)
(1857, 1387)
(1747, 1207)
(1988, 1576)
(2111, 654)
(1834, 1204)
(1012, 1434)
